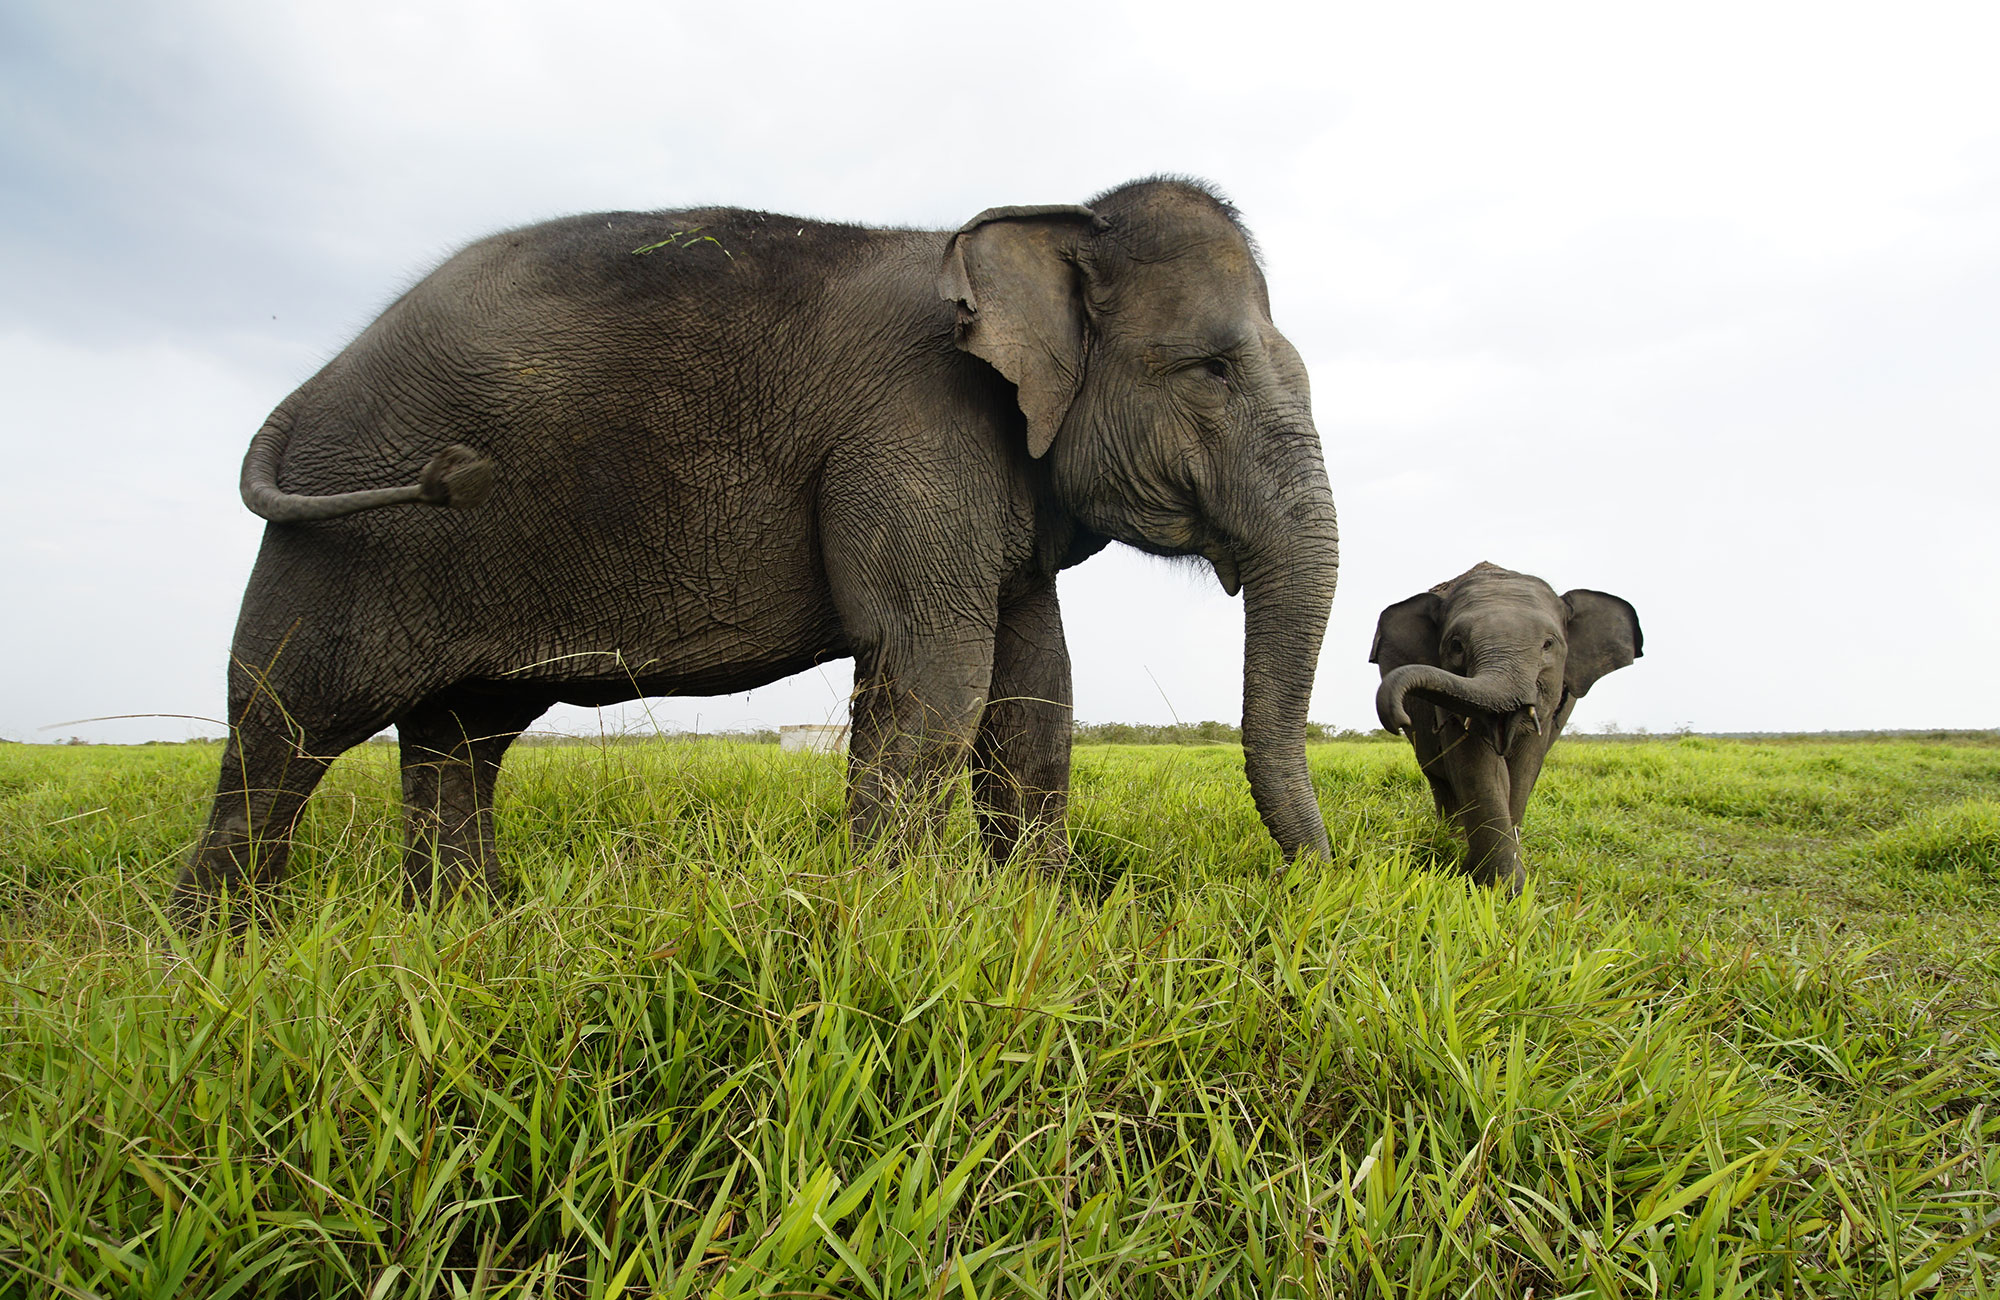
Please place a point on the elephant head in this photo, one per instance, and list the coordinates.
(1175, 418)
(1481, 674)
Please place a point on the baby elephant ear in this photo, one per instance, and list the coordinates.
(1604, 636)
(1407, 633)
(1013, 274)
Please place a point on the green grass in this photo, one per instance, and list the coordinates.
(1738, 1038)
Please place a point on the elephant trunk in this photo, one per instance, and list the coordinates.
(1497, 690)
(1285, 606)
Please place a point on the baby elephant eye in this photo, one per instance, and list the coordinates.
(1216, 368)
(1549, 644)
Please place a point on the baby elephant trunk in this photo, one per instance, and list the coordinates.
(1505, 701)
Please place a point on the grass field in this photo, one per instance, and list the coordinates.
(1739, 1037)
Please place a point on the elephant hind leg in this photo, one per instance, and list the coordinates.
(271, 765)
(452, 745)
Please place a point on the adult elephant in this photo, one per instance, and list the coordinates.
(693, 452)
(1481, 674)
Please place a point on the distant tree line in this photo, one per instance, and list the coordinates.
(1198, 733)
(755, 736)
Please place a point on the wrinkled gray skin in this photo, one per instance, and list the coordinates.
(559, 469)
(1481, 674)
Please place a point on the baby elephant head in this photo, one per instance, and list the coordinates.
(1481, 674)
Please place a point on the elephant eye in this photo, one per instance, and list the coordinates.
(1216, 368)
(1549, 644)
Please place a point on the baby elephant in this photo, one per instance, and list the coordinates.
(1481, 674)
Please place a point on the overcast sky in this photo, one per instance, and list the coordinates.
(1694, 303)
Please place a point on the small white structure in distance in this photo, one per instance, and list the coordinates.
(813, 738)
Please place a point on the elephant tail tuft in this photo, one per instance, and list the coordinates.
(457, 478)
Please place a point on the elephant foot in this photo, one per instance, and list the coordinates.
(230, 872)
(448, 875)
(1507, 876)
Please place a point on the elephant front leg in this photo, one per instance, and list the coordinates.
(914, 713)
(1430, 745)
(1020, 766)
(1493, 849)
(1524, 763)
(1492, 840)
(1524, 767)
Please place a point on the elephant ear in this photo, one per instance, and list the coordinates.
(1013, 274)
(1407, 633)
(1604, 636)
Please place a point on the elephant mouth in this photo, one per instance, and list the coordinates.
(1501, 730)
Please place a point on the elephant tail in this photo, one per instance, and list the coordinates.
(457, 478)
